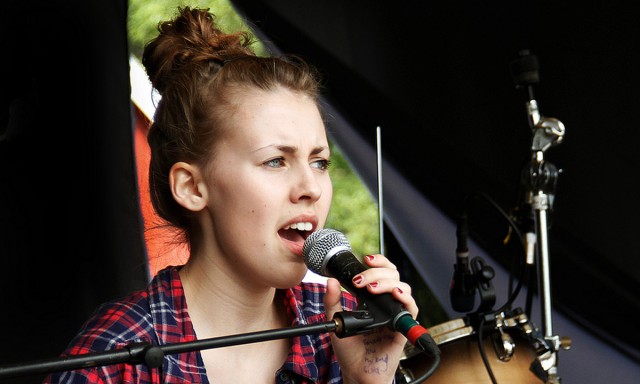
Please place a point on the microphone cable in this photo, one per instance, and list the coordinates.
(513, 294)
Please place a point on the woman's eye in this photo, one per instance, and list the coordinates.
(275, 163)
(321, 164)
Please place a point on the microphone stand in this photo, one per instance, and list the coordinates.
(539, 179)
(344, 324)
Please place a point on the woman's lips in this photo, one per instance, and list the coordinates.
(293, 239)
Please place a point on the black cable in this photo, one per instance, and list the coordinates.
(483, 354)
(429, 372)
(514, 294)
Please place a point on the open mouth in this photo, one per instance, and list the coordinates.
(296, 232)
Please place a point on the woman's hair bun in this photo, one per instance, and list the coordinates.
(187, 42)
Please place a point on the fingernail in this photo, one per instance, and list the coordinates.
(399, 290)
(357, 279)
(370, 257)
(374, 284)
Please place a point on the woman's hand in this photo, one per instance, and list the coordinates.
(372, 357)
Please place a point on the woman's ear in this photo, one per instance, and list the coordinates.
(187, 186)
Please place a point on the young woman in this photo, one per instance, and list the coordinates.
(239, 166)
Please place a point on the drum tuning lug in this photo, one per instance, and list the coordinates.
(504, 346)
(404, 375)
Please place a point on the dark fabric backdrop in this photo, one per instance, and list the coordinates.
(70, 227)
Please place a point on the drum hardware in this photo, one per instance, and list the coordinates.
(511, 343)
(544, 365)
(503, 344)
(502, 326)
(499, 324)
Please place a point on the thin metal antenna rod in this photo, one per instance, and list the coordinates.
(380, 210)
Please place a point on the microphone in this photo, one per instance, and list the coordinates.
(461, 292)
(524, 71)
(327, 252)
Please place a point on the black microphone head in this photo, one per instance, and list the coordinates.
(320, 246)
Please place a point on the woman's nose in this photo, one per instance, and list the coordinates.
(307, 186)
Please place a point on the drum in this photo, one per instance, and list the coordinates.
(508, 350)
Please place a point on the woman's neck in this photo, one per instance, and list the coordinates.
(220, 305)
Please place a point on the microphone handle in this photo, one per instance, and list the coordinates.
(344, 266)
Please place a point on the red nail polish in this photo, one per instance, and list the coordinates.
(374, 284)
(370, 257)
(357, 279)
(399, 290)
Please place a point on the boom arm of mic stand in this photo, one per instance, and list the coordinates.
(344, 324)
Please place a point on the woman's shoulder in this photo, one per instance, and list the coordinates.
(115, 323)
(126, 319)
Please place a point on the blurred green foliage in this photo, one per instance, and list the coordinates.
(144, 16)
(353, 211)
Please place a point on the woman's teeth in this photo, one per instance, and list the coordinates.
(300, 226)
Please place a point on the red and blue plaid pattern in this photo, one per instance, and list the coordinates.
(158, 316)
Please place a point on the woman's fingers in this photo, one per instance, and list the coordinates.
(382, 276)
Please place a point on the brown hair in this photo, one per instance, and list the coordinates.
(199, 71)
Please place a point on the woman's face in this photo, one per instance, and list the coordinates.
(269, 186)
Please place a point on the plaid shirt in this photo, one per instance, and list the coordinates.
(159, 316)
